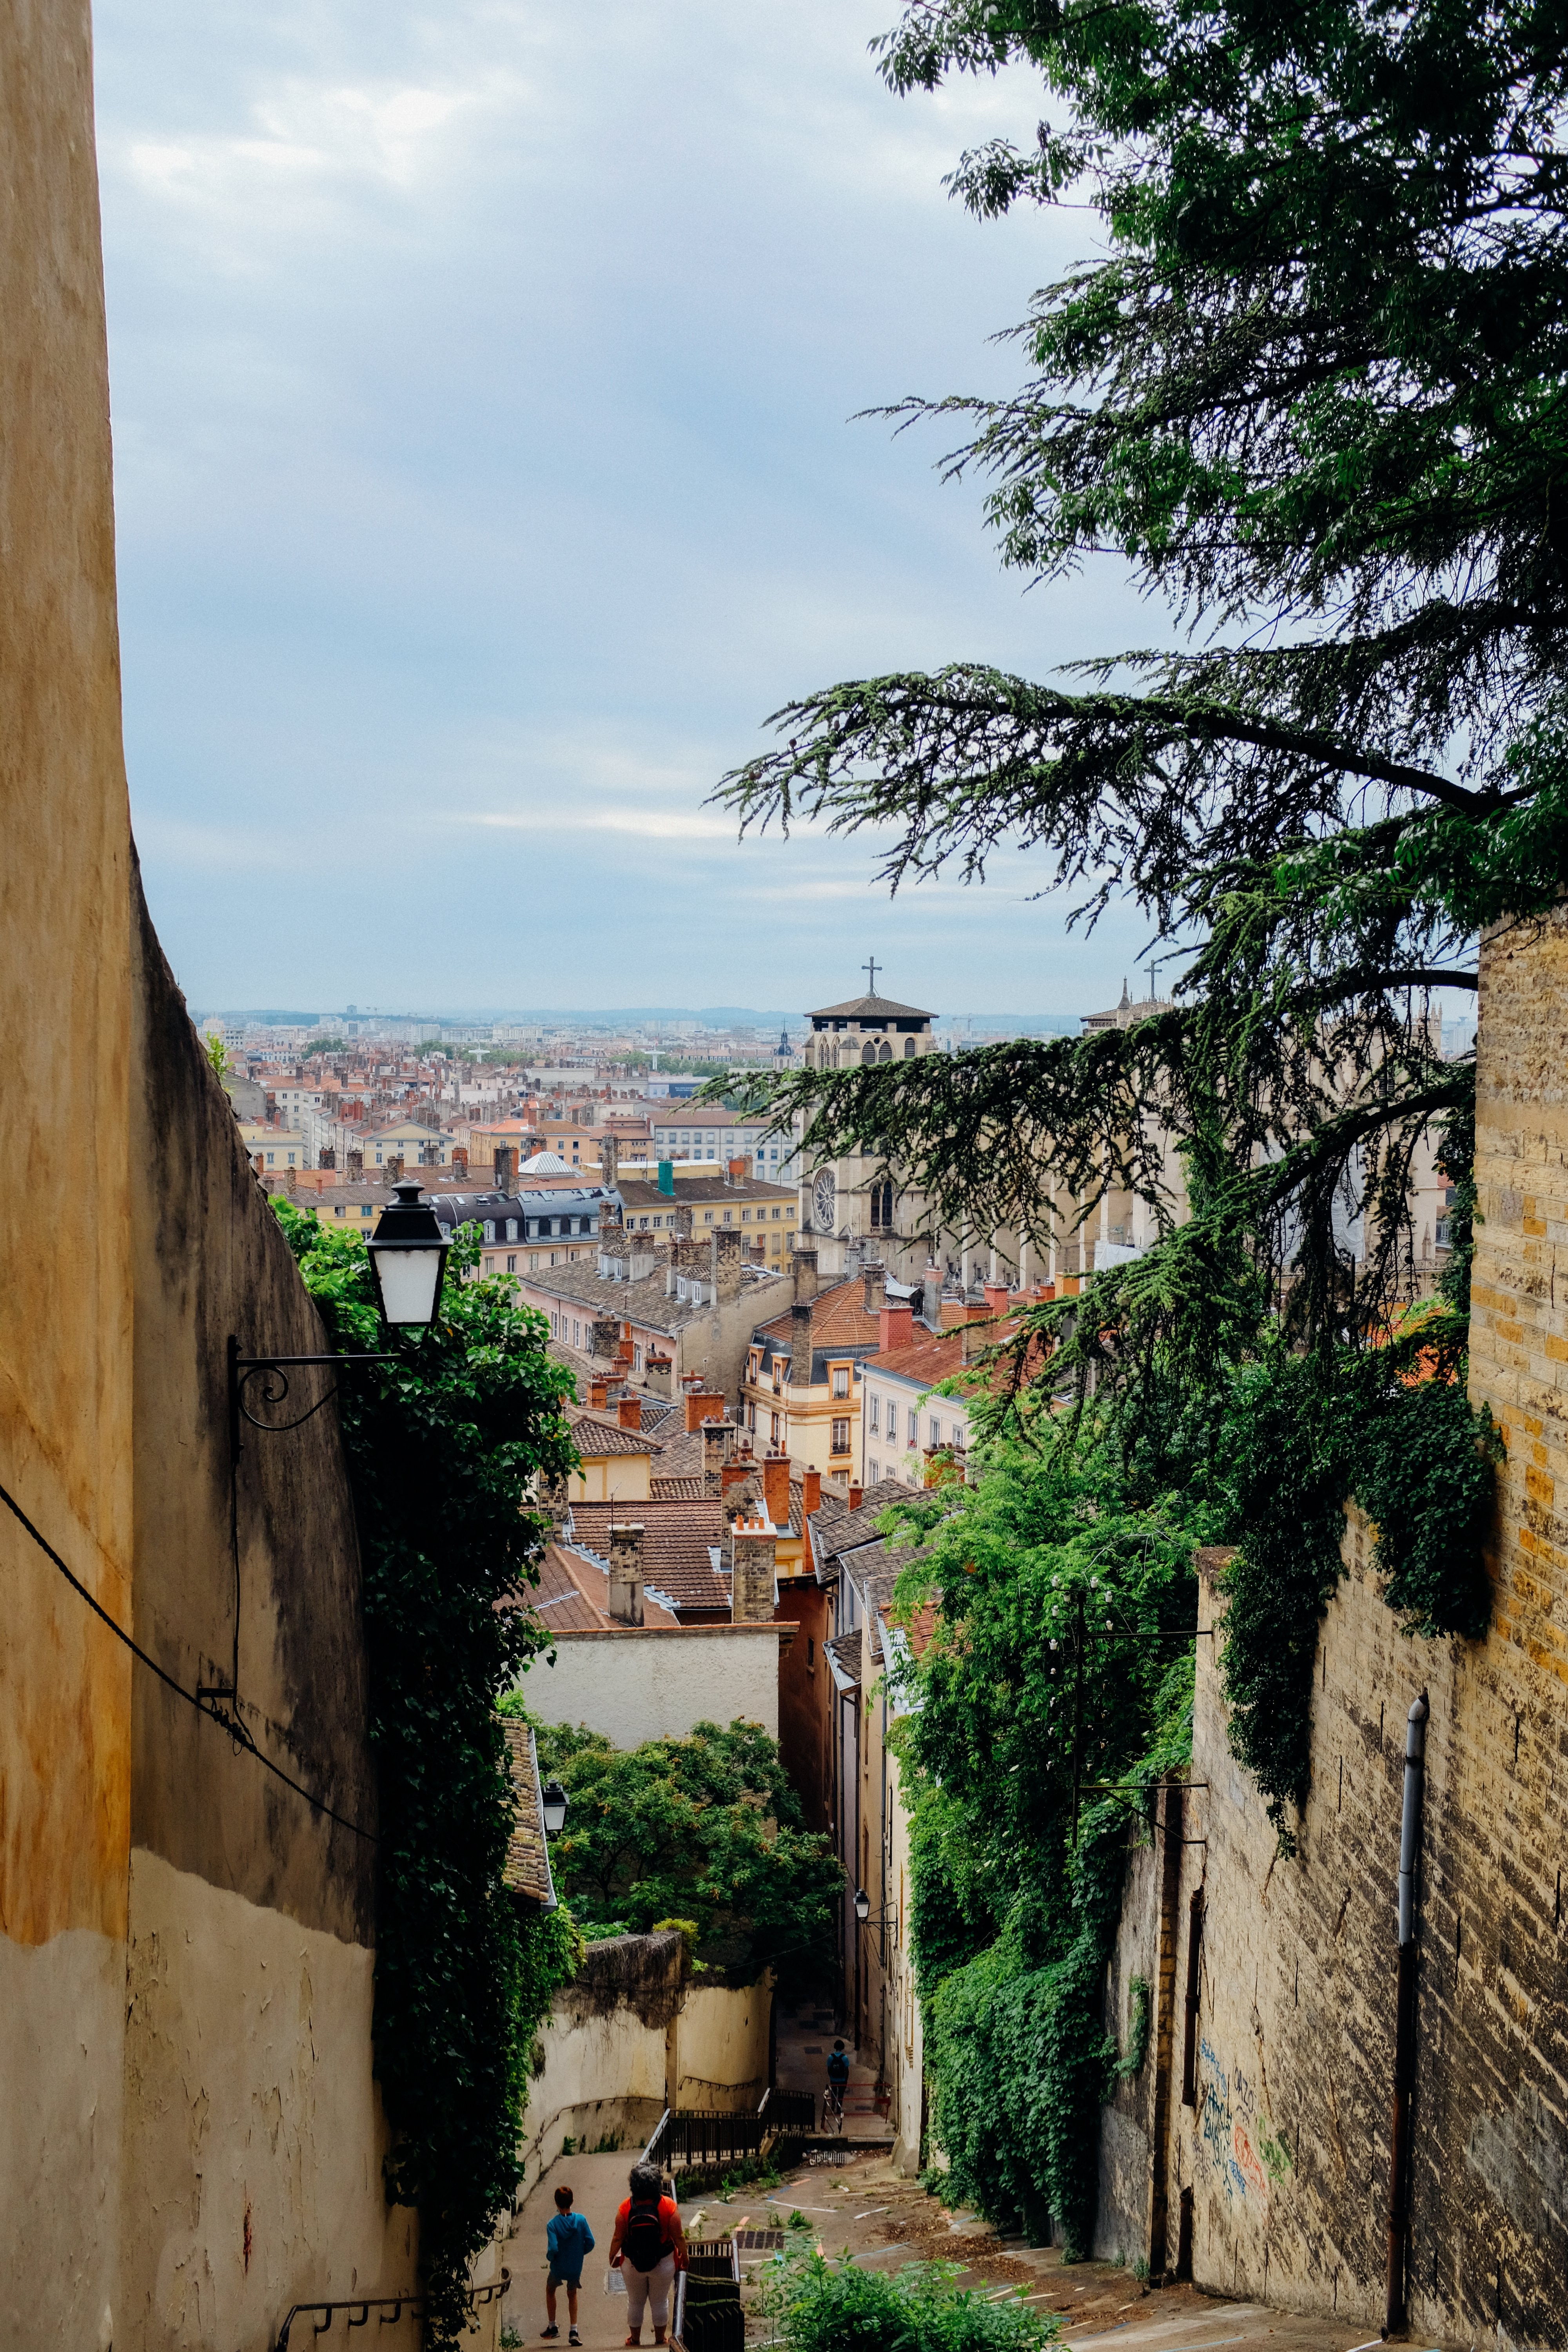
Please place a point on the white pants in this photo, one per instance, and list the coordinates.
(648, 2287)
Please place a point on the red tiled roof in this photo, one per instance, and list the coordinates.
(527, 1867)
(935, 1355)
(676, 1490)
(594, 1434)
(839, 1318)
(573, 1595)
(677, 1537)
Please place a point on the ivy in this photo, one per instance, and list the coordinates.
(1011, 1923)
(444, 1448)
(1395, 1429)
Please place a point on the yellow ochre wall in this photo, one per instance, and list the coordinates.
(194, 2137)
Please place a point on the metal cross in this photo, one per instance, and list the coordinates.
(871, 968)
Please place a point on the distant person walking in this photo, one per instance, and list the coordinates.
(837, 2083)
(567, 2239)
(648, 2247)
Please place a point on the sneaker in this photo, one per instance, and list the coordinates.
(550, 2331)
(573, 2337)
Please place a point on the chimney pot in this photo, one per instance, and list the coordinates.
(856, 1493)
(995, 1298)
(811, 1493)
(630, 1408)
(876, 1280)
(776, 1487)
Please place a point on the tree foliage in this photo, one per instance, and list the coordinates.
(443, 1448)
(816, 2305)
(1061, 1655)
(1312, 394)
(708, 1829)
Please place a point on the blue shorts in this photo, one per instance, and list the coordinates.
(564, 2278)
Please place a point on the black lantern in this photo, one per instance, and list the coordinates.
(862, 1906)
(553, 1801)
(408, 1252)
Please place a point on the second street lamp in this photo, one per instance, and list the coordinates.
(552, 1804)
(408, 1253)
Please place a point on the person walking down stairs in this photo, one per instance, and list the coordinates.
(649, 2247)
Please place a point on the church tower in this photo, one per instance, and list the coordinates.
(851, 1214)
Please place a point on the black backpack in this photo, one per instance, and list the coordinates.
(645, 2244)
(839, 2067)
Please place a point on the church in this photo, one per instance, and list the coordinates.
(850, 1209)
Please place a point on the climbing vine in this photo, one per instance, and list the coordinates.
(1395, 1429)
(1011, 1922)
(443, 1450)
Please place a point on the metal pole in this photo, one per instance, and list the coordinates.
(1404, 2013)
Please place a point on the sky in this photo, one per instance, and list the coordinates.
(484, 379)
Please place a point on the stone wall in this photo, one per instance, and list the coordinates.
(1280, 2161)
(638, 1683)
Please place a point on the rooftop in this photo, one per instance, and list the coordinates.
(573, 1595)
(527, 1868)
(934, 1356)
(643, 1302)
(681, 1543)
(839, 1318)
(869, 1008)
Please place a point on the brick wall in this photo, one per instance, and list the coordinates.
(1283, 2153)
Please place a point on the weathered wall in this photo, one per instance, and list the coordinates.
(635, 1686)
(66, 1301)
(805, 1697)
(721, 2046)
(1284, 2151)
(194, 2137)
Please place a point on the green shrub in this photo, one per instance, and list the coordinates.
(820, 2306)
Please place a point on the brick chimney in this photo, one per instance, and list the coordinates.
(700, 1406)
(776, 1487)
(328, 1157)
(625, 1575)
(805, 1271)
(752, 1547)
(506, 1168)
(977, 1336)
(995, 1298)
(598, 1391)
(811, 1493)
(737, 1169)
(897, 1326)
(610, 1159)
(727, 1261)
(876, 1278)
(459, 1160)
(630, 1411)
(855, 1494)
(354, 1166)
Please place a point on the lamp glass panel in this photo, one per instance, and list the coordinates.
(410, 1280)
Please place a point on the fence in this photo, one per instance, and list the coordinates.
(696, 2139)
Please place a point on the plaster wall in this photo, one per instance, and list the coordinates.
(719, 2044)
(638, 1685)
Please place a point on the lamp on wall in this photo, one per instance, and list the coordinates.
(553, 1802)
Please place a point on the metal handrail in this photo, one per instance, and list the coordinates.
(388, 2308)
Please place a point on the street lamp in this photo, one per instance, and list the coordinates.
(553, 1802)
(862, 1906)
(408, 1252)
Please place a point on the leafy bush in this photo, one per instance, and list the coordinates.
(707, 1832)
(443, 1448)
(818, 2306)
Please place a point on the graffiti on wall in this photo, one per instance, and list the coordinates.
(1237, 2141)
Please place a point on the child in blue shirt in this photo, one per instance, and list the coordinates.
(568, 2239)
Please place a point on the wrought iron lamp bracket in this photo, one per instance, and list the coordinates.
(273, 1373)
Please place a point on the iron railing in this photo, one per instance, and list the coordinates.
(691, 2140)
(387, 2308)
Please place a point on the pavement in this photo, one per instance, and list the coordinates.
(805, 2037)
(858, 2208)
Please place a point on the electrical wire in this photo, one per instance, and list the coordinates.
(236, 1729)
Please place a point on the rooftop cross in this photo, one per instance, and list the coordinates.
(871, 968)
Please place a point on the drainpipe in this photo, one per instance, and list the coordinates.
(1405, 2013)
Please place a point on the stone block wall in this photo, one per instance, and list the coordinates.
(1277, 2173)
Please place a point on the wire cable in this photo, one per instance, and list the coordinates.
(236, 1729)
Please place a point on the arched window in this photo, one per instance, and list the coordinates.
(867, 1053)
(908, 1049)
(884, 1051)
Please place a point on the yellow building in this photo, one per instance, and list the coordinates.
(277, 1148)
(765, 1214)
(801, 1387)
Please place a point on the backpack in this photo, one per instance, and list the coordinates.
(643, 2242)
(839, 2067)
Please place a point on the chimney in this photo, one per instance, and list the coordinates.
(800, 1344)
(394, 1169)
(355, 1166)
(598, 1392)
(752, 1585)
(506, 1168)
(737, 1169)
(328, 1157)
(805, 1271)
(897, 1327)
(734, 1473)
(776, 1487)
(728, 1261)
(625, 1575)
(610, 1159)
(604, 1336)
(716, 1440)
(459, 1160)
(666, 1179)
(811, 1493)
(700, 1406)
(876, 1288)
(856, 1492)
(995, 1298)
(977, 1338)
(630, 1408)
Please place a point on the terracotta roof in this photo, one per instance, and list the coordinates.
(573, 1595)
(869, 1008)
(676, 1490)
(681, 1455)
(677, 1539)
(633, 1302)
(934, 1356)
(835, 1530)
(597, 1433)
(841, 1320)
(527, 1866)
(703, 1191)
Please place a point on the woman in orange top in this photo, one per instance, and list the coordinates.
(649, 2247)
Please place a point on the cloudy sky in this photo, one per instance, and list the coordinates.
(482, 378)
